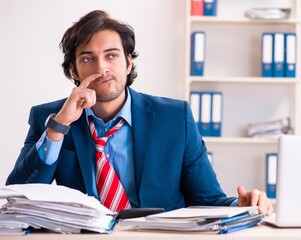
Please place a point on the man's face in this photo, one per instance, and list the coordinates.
(104, 54)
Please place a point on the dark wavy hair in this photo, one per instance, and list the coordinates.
(82, 32)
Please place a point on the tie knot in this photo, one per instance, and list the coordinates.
(110, 132)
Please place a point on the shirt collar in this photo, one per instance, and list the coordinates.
(125, 111)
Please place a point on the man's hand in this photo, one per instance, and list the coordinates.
(254, 198)
(80, 98)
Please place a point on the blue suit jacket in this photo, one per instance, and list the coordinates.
(170, 159)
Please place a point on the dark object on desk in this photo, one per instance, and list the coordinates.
(137, 212)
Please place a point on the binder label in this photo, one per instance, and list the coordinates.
(279, 47)
(206, 108)
(199, 47)
(267, 56)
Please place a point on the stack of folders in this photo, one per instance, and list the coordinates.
(279, 54)
(55, 208)
(270, 129)
(213, 219)
(207, 110)
(203, 7)
(271, 174)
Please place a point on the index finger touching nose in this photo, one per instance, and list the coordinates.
(85, 83)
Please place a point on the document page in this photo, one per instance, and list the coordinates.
(203, 212)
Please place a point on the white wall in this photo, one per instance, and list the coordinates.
(30, 71)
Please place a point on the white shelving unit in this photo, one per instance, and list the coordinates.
(233, 66)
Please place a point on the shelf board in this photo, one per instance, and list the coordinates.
(242, 20)
(241, 140)
(245, 80)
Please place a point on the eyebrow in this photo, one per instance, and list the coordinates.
(106, 50)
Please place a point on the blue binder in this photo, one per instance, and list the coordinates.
(195, 101)
(278, 55)
(267, 54)
(216, 114)
(205, 116)
(210, 7)
(271, 173)
(290, 55)
(197, 53)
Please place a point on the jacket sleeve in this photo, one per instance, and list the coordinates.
(29, 168)
(199, 182)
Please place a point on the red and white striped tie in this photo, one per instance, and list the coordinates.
(110, 189)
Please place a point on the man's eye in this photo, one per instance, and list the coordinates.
(112, 56)
(87, 59)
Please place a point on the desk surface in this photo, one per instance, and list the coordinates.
(259, 232)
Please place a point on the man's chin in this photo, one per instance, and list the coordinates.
(107, 97)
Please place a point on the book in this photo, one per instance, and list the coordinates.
(197, 53)
(207, 110)
(216, 114)
(290, 54)
(210, 7)
(267, 54)
(205, 114)
(195, 101)
(197, 7)
(278, 55)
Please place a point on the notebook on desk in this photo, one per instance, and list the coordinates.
(288, 190)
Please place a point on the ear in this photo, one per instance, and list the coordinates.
(73, 72)
(130, 64)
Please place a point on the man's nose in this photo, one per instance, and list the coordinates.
(103, 67)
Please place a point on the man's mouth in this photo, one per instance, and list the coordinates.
(104, 79)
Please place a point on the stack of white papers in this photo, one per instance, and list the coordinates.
(270, 129)
(53, 207)
(191, 219)
(268, 13)
(10, 225)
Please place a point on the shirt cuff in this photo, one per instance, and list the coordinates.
(48, 150)
(234, 203)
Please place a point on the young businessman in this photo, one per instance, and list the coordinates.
(148, 148)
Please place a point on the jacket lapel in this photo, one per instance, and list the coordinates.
(142, 122)
(85, 151)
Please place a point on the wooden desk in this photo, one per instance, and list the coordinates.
(261, 232)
